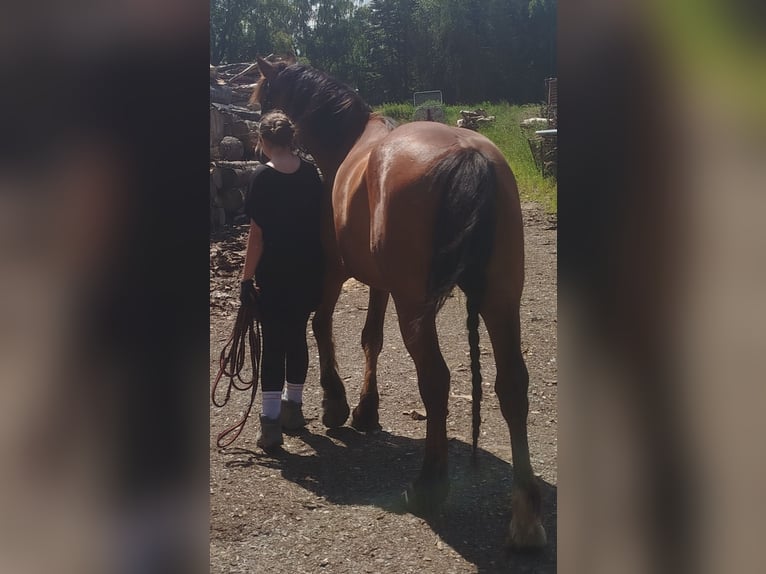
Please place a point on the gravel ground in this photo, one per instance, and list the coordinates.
(329, 502)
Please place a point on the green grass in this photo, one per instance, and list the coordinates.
(506, 133)
(400, 112)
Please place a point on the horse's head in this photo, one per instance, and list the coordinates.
(267, 91)
(329, 115)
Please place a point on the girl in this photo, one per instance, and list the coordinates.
(284, 254)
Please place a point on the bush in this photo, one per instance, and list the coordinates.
(398, 112)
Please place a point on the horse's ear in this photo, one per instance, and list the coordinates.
(267, 70)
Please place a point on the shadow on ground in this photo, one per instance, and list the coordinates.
(373, 469)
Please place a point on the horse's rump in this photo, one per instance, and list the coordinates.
(431, 196)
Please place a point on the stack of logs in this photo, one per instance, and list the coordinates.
(229, 181)
(231, 121)
(232, 127)
(472, 119)
(233, 83)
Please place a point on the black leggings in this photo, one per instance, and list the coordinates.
(285, 350)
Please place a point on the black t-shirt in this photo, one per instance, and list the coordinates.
(286, 206)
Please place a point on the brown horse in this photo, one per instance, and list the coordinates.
(413, 212)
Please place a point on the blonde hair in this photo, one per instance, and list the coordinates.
(276, 128)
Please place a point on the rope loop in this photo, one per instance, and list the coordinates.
(245, 334)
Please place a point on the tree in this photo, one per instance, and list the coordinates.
(473, 50)
(242, 29)
(228, 36)
(392, 47)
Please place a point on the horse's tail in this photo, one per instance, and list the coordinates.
(463, 240)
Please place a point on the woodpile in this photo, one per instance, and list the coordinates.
(231, 86)
(233, 83)
(229, 181)
(472, 119)
(233, 126)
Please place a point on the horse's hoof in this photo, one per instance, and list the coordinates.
(334, 412)
(526, 531)
(526, 537)
(420, 499)
(364, 423)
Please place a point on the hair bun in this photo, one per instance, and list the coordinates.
(276, 128)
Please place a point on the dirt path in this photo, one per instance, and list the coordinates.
(329, 503)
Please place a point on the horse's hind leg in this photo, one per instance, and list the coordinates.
(419, 333)
(365, 417)
(335, 409)
(526, 529)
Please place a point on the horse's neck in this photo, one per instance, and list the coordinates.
(328, 160)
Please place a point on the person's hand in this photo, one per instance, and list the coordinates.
(248, 294)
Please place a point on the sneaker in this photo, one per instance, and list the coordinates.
(270, 435)
(292, 416)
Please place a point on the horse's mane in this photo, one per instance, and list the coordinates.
(389, 122)
(324, 109)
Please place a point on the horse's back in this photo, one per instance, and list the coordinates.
(403, 162)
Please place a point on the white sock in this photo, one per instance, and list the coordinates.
(293, 393)
(272, 404)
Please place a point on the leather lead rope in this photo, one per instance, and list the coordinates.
(246, 332)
